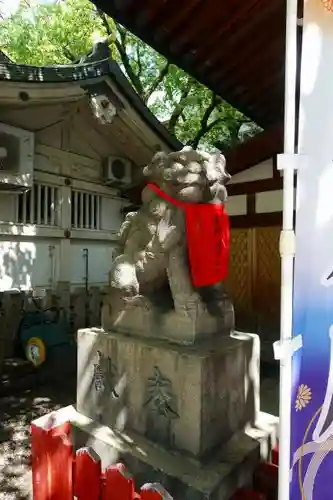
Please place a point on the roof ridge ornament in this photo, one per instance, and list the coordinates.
(103, 109)
(100, 52)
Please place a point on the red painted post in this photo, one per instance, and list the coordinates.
(275, 455)
(87, 477)
(266, 479)
(119, 484)
(52, 459)
(154, 491)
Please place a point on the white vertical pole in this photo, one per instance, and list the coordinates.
(53, 206)
(39, 203)
(81, 218)
(63, 265)
(46, 205)
(24, 208)
(87, 211)
(287, 249)
(92, 211)
(76, 209)
(98, 212)
(32, 204)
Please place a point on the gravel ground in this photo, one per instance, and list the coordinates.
(16, 413)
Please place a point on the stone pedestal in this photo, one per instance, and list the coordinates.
(192, 402)
(188, 398)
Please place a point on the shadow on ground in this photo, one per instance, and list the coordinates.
(16, 413)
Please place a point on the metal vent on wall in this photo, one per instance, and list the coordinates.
(9, 152)
(118, 169)
(117, 172)
(16, 158)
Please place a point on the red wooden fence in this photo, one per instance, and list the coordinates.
(59, 474)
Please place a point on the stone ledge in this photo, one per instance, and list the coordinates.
(203, 348)
(231, 468)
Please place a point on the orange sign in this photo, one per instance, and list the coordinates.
(35, 351)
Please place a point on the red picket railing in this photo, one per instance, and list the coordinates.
(275, 455)
(59, 474)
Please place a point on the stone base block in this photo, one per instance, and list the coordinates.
(183, 477)
(187, 398)
(141, 318)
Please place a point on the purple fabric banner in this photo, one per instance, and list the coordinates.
(311, 469)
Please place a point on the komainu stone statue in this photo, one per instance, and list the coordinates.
(151, 291)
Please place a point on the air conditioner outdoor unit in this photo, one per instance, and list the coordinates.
(16, 158)
(117, 172)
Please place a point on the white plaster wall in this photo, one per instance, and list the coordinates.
(269, 201)
(7, 207)
(27, 264)
(111, 217)
(99, 262)
(263, 170)
(236, 205)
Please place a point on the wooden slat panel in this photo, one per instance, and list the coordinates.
(254, 278)
(267, 275)
(239, 279)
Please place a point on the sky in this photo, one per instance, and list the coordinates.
(8, 7)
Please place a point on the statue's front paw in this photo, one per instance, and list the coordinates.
(137, 300)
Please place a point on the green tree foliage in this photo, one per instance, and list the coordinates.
(61, 32)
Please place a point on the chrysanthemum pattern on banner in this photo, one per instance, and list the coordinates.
(303, 398)
(328, 4)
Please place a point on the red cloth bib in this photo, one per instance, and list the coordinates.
(208, 238)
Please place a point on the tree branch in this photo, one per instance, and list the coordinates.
(138, 60)
(160, 77)
(212, 124)
(233, 138)
(178, 111)
(128, 68)
(121, 47)
(70, 56)
(122, 34)
(205, 126)
(105, 22)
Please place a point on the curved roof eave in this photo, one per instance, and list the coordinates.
(87, 75)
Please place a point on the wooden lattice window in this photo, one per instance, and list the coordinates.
(85, 210)
(39, 205)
